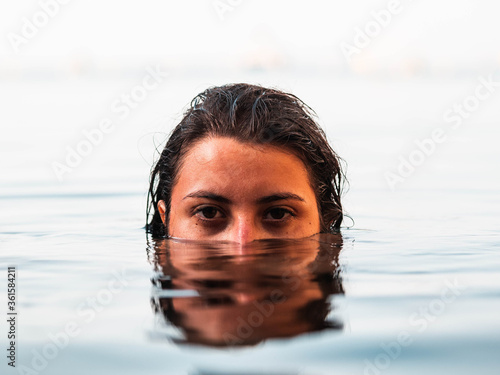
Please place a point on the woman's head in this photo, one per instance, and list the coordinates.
(245, 162)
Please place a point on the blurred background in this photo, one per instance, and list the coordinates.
(381, 75)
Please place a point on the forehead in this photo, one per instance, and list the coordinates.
(231, 167)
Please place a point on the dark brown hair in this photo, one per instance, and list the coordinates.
(252, 114)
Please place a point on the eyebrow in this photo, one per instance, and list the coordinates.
(266, 199)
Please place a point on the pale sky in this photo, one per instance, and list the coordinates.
(42, 117)
(445, 33)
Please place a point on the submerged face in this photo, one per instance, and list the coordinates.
(232, 191)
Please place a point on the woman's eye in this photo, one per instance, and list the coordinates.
(278, 214)
(209, 213)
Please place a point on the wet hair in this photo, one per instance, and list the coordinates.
(257, 115)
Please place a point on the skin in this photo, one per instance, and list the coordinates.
(240, 192)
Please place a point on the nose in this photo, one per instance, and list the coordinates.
(243, 230)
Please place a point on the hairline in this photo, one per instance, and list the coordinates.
(185, 149)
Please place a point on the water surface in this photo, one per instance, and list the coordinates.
(412, 287)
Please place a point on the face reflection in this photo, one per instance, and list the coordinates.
(230, 287)
(239, 192)
(276, 289)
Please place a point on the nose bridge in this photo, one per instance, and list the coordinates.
(244, 230)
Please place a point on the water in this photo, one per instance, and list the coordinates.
(412, 287)
(231, 296)
(140, 306)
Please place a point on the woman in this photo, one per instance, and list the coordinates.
(245, 163)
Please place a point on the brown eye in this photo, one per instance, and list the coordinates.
(209, 212)
(278, 214)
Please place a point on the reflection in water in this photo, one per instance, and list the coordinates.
(227, 294)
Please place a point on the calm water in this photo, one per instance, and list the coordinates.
(412, 287)
(410, 298)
